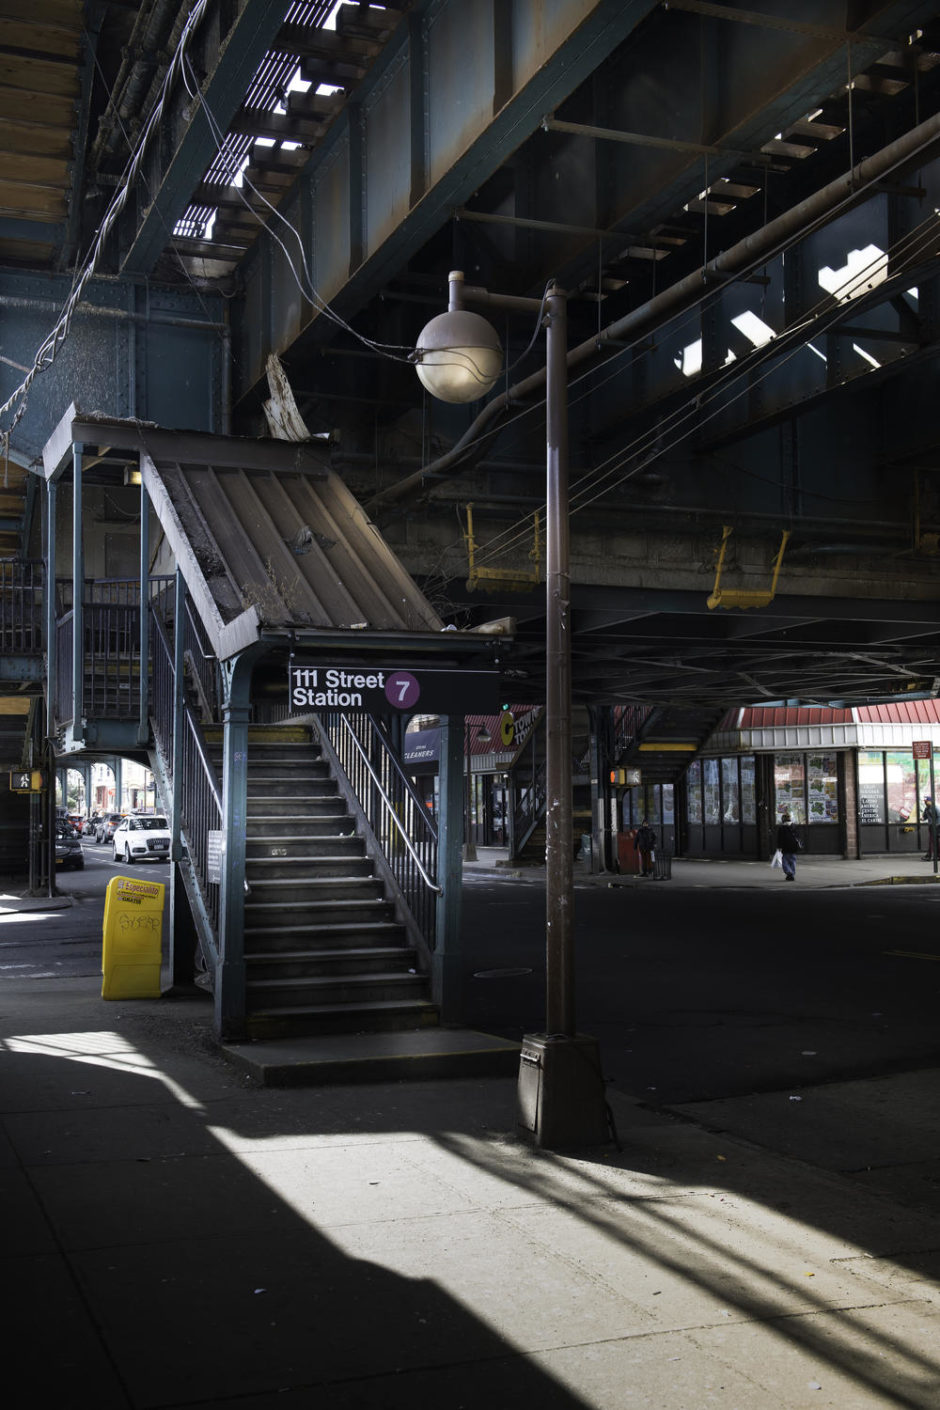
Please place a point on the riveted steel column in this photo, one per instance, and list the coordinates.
(181, 939)
(143, 727)
(78, 592)
(230, 999)
(559, 856)
(446, 977)
(52, 641)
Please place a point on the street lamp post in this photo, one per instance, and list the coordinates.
(561, 1091)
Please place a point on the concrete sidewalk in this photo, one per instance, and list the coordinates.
(178, 1236)
(811, 872)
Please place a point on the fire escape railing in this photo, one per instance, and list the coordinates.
(394, 811)
(20, 608)
(111, 649)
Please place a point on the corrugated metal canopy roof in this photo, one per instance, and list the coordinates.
(266, 535)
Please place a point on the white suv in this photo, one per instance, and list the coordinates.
(142, 839)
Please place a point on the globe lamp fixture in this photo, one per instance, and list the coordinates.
(458, 354)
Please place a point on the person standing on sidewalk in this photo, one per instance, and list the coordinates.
(644, 843)
(929, 816)
(788, 844)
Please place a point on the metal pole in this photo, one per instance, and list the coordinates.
(933, 820)
(559, 858)
(78, 597)
(469, 846)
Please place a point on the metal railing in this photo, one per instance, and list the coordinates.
(201, 663)
(111, 642)
(20, 608)
(529, 789)
(628, 722)
(200, 795)
(63, 669)
(395, 811)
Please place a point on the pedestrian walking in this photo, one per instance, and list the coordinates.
(644, 842)
(929, 816)
(788, 844)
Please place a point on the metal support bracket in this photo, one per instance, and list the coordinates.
(744, 597)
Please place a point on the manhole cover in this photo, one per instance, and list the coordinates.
(500, 973)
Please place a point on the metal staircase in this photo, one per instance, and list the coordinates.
(324, 950)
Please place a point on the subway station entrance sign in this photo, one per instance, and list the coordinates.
(384, 690)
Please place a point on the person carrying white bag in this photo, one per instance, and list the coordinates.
(788, 844)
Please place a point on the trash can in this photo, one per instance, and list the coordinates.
(132, 939)
(662, 866)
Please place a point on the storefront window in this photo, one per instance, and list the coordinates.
(694, 778)
(901, 778)
(712, 795)
(871, 786)
(924, 790)
(730, 802)
(823, 788)
(748, 790)
(789, 787)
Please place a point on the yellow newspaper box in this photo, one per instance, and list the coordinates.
(131, 949)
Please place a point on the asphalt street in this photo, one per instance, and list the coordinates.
(66, 943)
(700, 995)
(695, 995)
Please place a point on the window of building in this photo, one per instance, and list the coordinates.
(730, 794)
(748, 790)
(694, 779)
(822, 788)
(789, 787)
(901, 785)
(711, 792)
(871, 786)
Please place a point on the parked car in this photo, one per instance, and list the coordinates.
(142, 839)
(106, 825)
(89, 825)
(68, 849)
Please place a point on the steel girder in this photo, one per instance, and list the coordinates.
(229, 54)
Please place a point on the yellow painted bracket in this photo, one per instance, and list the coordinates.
(502, 579)
(744, 597)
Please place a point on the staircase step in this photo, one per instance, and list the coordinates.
(266, 734)
(320, 805)
(280, 829)
(331, 964)
(407, 1054)
(311, 877)
(332, 990)
(344, 934)
(271, 786)
(300, 1021)
(295, 851)
(325, 899)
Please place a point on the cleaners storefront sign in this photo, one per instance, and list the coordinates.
(383, 690)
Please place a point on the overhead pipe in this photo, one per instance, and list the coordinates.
(838, 195)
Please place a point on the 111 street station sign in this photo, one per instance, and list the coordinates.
(383, 690)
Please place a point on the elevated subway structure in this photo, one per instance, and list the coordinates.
(741, 206)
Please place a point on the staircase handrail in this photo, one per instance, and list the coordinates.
(389, 804)
(200, 798)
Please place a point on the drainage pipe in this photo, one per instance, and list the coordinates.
(831, 200)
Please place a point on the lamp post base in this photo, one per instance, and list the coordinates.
(561, 1100)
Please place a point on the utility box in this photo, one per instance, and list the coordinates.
(561, 1097)
(132, 952)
